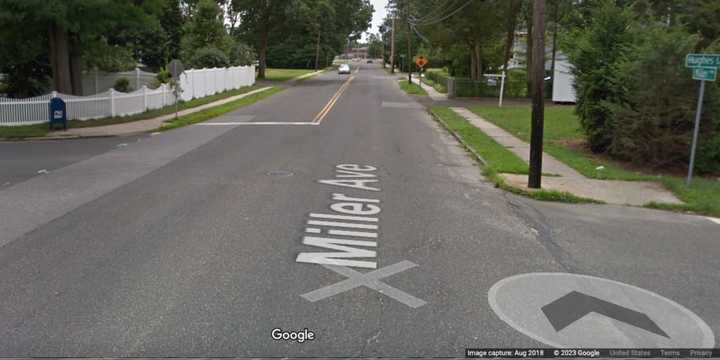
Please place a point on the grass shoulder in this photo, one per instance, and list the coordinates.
(274, 74)
(210, 113)
(562, 128)
(24, 131)
(495, 157)
(412, 88)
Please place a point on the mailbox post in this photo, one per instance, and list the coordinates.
(58, 113)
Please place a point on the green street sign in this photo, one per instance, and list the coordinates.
(705, 73)
(702, 60)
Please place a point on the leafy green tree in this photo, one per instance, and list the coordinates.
(241, 54)
(60, 35)
(171, 21)
(204, 29)
(653, 124)
(258, 19)
(596, 52)
(375, 46)
(209, 57)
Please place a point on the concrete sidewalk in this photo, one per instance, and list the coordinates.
(141, 126)
(568, 179)
(432, 93)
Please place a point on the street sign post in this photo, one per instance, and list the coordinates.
(704, 74)
(704, 68)
(176, 68)
(702, 60)
(421, 61)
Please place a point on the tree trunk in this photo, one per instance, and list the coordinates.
(510, 37)
(317, 51)
(409, 52)
(60, 59)
(262, 55)
(478, 62)
(392, 47)
(76, 66)
(472, 63)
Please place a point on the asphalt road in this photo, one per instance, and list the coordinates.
(185, 243)
(21, 160)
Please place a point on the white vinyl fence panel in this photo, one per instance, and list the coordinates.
(193, 83)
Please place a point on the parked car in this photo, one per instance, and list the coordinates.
(369, 61)
(344, 69)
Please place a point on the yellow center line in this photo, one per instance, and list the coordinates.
(321, 115)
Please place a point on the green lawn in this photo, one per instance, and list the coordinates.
(25, 131)
(201, 116)
(496, 157)
(285, 74)
(412, 89)
(561, 126)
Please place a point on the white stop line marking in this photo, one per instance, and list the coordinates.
(717, 221)
(234, 123)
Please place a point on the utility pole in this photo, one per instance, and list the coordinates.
(538, 96)
(409, 57)
(392, 47)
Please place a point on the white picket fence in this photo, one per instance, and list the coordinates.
(193, 84)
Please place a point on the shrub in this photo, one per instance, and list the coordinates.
(708, 156)
(209, 57)
(596, 51)
(516, 85)
(122, 84)
(655, 122)
(163, 76)
(242, 54)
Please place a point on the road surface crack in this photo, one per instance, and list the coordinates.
(538, 225)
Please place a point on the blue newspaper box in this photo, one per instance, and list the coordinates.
(58, 113)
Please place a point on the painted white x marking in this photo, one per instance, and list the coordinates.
(370, 280)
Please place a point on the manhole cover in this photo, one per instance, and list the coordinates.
(279, 173)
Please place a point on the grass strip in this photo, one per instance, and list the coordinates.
(273, 74)
(496, 158)
(563, 126)
(24, 131)
(412, 88)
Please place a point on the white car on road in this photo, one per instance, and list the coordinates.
(344, 69)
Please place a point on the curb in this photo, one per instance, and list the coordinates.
(457, 136)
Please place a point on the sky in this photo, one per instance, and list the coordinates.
(378, 16)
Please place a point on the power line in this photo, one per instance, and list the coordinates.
(445, 17)
(437, 13)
